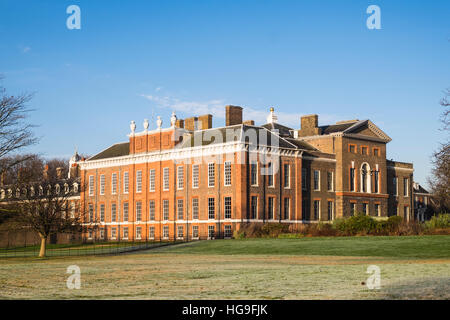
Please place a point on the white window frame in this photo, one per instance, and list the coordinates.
(113, 233)
(138, 234)
(114, 183)
(213, 208)
(151, 181)
(195, 213)
(180, 236)
(369, 178)
(166, 210)
(165, 234)
(270, 199)
(289, 208)
(214, 232)
(151, 210)
(180, 209)
(314, 180)
(271, 174)
(230, 207)
(102, 184)
(332, 209)
(318, 212)
(406, 186)
(288, 186)
(102, 212)
(126, 182)
(138, 181)
(91, 212)
(166, 178)
(114, 206)
(379, 209)
(225, 227)
(126, 212)
(195, 176)
(125, 233)
(193, 232)
(138, 217)
(180, 177)
(211, 175)
(255, 172)
(227, 173)
(366, 211)
(151, 232)
(251, 207)
(332, 181)
(91, 186)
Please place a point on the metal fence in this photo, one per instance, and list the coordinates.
(84, 248)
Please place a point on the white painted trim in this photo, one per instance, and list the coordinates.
(400, 169)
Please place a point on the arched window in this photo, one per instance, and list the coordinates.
(66, 188)
(2, 194)
(75, 187)
(57, 189)
(365, 178)
(41, 191)
(32, 191)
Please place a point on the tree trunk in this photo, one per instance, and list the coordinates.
(43, 245)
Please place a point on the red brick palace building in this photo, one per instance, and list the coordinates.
(190, 181)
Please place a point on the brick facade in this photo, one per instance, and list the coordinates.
(183, 187)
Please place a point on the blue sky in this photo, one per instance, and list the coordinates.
(138, 59)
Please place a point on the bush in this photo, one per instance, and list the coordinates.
(358, 224)
(441, 221)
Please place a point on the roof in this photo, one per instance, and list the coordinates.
(282, 130)
(419, 189)
(251, 135)
(336, 127)
(116, 150)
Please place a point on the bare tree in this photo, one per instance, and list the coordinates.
(15, 132)
(47, 208)
(440, 175)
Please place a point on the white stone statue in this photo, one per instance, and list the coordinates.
(159, 122)
(173, 119)
(146, 124)
(132, 127)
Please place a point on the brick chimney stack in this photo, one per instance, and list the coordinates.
(179, 123)
(205, 121)
(189, 123)
(233, 115)
(309, 126)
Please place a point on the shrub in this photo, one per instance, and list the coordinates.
(273, 230)
(358, 224)
(441, 221)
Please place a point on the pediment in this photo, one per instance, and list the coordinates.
(369, 129)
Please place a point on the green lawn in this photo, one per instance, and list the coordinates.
(309, 268)
(98, 248)
(419, 247)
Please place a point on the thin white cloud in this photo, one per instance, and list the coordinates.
(217, 109)
(26, 49)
